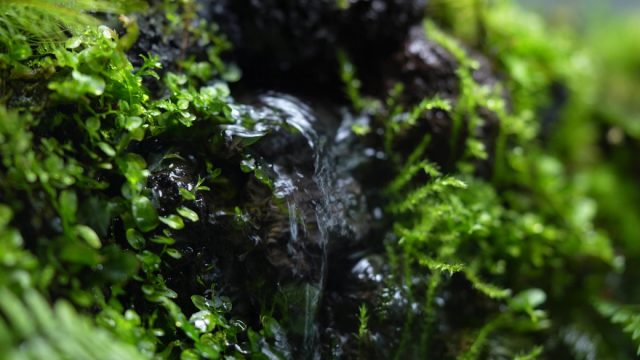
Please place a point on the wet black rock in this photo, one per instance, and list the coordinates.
(314, 208)
(23, 93)
(290, 209)
(156, 37)
(426, 70)
(165, 183)
(293, 44)
(367, 283)
(379, 26)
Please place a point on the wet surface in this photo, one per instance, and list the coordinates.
(296, 220)
(295, 210)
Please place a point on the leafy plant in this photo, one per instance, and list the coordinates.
(89, 264)
(457, 223)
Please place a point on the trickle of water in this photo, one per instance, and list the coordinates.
(299, 149)
(298, 115)
(294, 188)
(293, 221)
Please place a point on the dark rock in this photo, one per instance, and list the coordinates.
(292, 45)
(367, 283)
(165, 183)
(424, 68)
(294, 209)
(156, 37)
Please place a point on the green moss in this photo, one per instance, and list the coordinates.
(537, 221)
(627, 317)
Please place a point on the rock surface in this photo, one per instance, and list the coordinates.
(307, 227)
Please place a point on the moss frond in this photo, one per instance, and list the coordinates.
(57, 332)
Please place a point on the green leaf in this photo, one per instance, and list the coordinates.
(201, 302)
(183, 104)
(79, 85)
(173, 221)
(119, 265)
(134, 168)
(186, 194)
(80, 253)
(6, 214)
(174, 253)
(16, 313)
(107, 149)
(189, 354)
(133, 122)
(158, 292)
(529, 299)
(88, 235)
(210, 346)
(150, 261)
(135, 239)
(165, 240)
(188, 214)
(21, 52)
(204, 321)
(627, 316)
(144, 214)
(68, 205)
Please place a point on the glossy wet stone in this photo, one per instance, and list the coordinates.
(426, 70)
(368, 283)
(297, 208)
(423, 67)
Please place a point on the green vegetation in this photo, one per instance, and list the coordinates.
(65, 177)
(544, 252)
(542, 220)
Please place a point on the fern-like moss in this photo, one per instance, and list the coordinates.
(627, 317)
(34, 329)
(42, 21)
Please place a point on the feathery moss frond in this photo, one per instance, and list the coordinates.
(54, 333)
(624, 316)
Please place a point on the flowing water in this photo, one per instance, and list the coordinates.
(300, 117)
(318, 201)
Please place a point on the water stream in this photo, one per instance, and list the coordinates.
(316, 202)
(300, 117)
